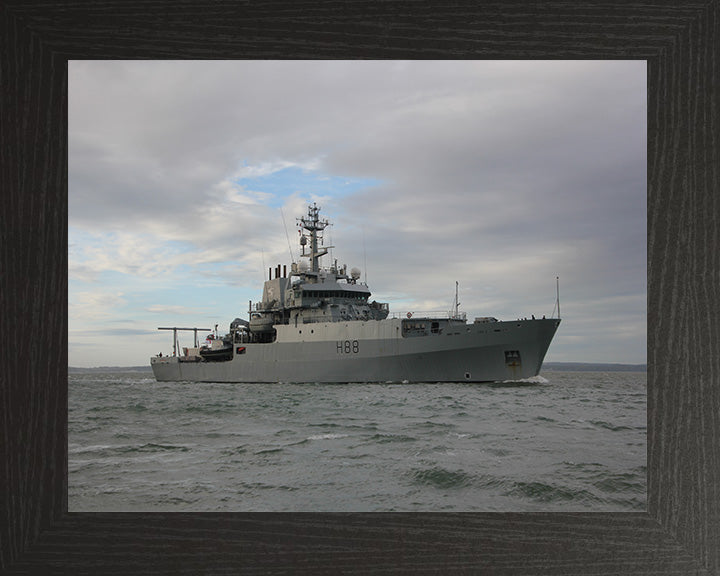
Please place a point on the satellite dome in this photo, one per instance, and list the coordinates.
(355, 273)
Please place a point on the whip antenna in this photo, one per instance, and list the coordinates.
(292, 258)
(364, 256)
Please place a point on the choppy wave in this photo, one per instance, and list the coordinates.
(567, 441)
(531, 380)
(610, 426)
(391, 438)
(269, 451)
(326, 436)
(553, 493)
(439, 477)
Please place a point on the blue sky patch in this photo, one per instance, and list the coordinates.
(295, 180)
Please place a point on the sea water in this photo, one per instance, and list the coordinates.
(564, 441)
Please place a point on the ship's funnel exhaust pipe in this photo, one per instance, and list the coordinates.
(284, 270)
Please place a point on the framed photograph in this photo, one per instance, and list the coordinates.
(675, 533)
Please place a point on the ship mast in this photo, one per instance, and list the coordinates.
(313, 224)
(457, 304)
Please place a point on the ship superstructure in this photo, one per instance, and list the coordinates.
(311, 294)
(319, 324)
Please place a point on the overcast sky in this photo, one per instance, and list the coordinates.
(498, 175)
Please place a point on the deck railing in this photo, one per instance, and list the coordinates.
(428, 314)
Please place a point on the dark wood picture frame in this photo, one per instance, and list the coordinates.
(680, 531)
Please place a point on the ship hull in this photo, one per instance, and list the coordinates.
(376, 351)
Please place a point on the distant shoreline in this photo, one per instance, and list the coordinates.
(593, 367)
(551, 366)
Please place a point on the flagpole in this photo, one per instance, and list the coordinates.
(557, 292)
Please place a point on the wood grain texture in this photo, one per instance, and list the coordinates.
(679, 534)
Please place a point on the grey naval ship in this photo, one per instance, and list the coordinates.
(319, 324)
